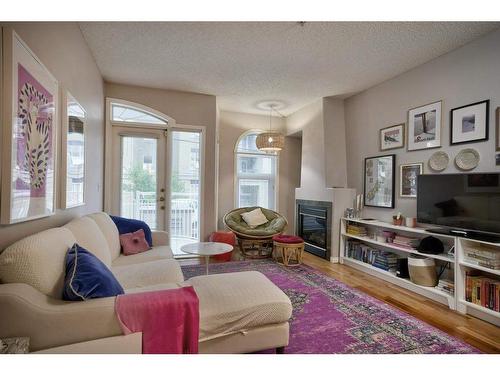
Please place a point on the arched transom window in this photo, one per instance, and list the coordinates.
(256, 173)
(123, 113)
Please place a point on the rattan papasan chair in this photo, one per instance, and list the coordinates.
(255, 242)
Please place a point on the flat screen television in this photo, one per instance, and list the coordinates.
(465, 204)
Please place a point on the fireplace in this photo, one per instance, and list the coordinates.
(314, 220)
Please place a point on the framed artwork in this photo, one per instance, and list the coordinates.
(392, 137)
(29, 145)
(498, 129)
(379, 181)
(424, 127)
(470, 123)
(73, 153)
(408, 174)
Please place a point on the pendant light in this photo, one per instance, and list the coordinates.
(270, 141)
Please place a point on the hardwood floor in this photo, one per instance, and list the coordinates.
(476, 332)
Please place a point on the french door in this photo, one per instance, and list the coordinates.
(157, 179)
(139, 175)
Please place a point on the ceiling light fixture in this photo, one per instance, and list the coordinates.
(271, 141)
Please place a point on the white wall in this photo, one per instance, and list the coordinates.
(309, 121)
(335, 146)
(466, 75)
(63, 50)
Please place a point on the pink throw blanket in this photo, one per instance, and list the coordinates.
(168, 319)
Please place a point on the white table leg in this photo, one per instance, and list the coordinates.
(207, 259)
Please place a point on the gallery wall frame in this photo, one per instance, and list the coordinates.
(498, 129)
(408, 174)
(470, 123)
(424, 126)
(29, 115)
(392, 137)
(73, 152)
(379, 181)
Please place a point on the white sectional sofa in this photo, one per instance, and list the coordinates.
(239, 312)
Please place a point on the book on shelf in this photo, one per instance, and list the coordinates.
(447, 286)
(482, 252)
(482, 290)
(408, 242)
(356, 230)
(492, 264)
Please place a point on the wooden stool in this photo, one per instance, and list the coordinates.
(288, 250)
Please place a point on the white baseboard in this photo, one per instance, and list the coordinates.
(334, 259)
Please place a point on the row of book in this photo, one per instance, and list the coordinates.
(447, 286)
(408, 242)
(356, 230)
(381, 259)
(482, 290)
(483, 256)
(359, 251)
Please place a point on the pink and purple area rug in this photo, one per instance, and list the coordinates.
(331, 317)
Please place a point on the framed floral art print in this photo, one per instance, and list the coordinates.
(29, 116)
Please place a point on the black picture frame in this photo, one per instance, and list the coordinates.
(487, 123)
(393, 182)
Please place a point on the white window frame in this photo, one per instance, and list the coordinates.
(274, 180)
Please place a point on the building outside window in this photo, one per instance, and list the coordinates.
(256, 173)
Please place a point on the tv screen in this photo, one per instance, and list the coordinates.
(465, 201)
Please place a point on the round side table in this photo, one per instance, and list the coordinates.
(207, 249)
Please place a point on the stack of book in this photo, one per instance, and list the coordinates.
(482, 291)
(408, 242)
(356, 230)
(447, 286)
(386, 261)
(483, 256)
(359, 251)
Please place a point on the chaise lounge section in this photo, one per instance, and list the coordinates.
(239, 312)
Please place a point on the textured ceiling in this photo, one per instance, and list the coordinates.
(244, 63)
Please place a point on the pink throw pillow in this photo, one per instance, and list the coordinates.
(134, 243)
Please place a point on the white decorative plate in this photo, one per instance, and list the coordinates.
(467, 159)
(439, 161)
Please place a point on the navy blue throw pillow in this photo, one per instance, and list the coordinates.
(125, 225)
(87, 277)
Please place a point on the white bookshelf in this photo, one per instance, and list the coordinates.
(457, 263)
(462, 267)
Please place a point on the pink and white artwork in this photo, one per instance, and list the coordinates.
(33, 164)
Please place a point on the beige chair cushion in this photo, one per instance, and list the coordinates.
(110, 231)
(89, 236)
(235, 302)
(38, 260)
(156, 253)
(254, 218)
(139, 275)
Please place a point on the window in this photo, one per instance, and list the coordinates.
(123, 113)
(255, 174)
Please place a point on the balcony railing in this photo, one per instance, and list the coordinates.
(184, 214)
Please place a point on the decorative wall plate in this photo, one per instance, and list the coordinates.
(467, 159)
(439, 161)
